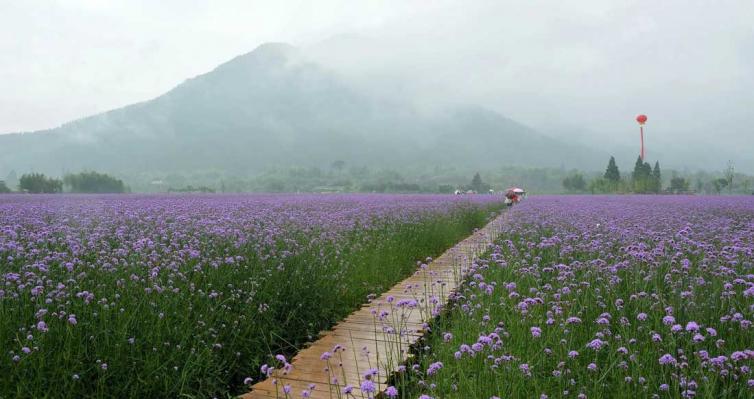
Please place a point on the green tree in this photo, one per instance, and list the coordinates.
(478, 185)
(642, 176)
(719, 184)
(93, 182)
(612, 173)
(445, 189)
(575, 183)
(338, 165)
(656, 179)
(601, 185)
(3, 188)
(679, 184)
(729, 173)
(746, 186)
(638, 175)
(39, 183)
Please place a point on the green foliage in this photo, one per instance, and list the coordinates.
(427, 178)
(719, 184)
(575, 183)
(605, 186)
(643, 179)
(729, 173)
(611, 182)
(37, 183)
(391, 187)
(679, 185)
(445, 189)
(656, 179)
(93, 182)
(612, 173)
(192, 189)
(715, 183)
(338, 165)
(3, 188)
(478, 185)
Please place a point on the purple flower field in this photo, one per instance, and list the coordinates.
(612, 297)
(161, 296)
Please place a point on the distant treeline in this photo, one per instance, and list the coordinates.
(339, 176)
(93, 182)
(647, 179)
(83, 182)
(192, 189)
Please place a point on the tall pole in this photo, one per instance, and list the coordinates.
(641, 129)
(642, 119)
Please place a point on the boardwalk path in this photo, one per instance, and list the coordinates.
(377, 337)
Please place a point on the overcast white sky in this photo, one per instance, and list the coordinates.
(591, 65)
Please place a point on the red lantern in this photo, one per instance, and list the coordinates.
(642, 119)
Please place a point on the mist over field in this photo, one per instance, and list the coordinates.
(255, 96)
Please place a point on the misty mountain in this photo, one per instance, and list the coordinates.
(274, 108)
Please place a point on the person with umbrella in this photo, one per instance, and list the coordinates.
(513, 195)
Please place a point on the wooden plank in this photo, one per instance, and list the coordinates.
(380, 333)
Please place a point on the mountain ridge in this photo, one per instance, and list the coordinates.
(273, 107)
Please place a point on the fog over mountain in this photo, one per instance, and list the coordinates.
(274, 107)
(390, 83)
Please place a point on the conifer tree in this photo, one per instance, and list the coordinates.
(642, 171)
(612, 173)
(656, 178)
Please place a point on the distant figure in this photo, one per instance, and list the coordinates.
(513, 195)
(510, 198)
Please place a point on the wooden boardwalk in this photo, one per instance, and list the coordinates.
(376, 339)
